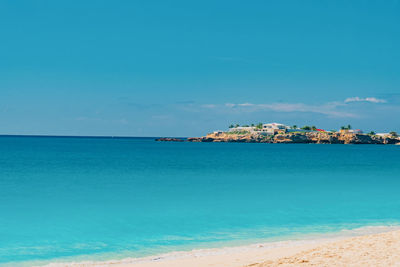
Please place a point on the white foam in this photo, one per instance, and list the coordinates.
(196, 253)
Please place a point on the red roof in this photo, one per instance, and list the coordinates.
(320, 130)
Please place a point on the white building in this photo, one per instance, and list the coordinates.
(383, 134)
(271, 128)
(267, 128)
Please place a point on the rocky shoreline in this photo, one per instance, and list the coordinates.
(294, 138)
(170, 139)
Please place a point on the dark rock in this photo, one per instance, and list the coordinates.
(169, 139)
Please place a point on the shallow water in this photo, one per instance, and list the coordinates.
(108, 197)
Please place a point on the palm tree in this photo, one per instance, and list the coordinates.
(231, 126)
(294, 126)
(259, 125)
(307, 128)
(349, 127)
(313, 128)
(237, 125)
(371, 133)
(252, 125)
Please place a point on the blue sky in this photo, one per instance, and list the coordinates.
(184, 68)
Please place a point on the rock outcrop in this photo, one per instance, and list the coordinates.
(298, 138)
(291, 138)
(294, 138)
(169, 139)
(228, 137)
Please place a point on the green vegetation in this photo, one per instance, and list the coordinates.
(259, 126)
(348, 127)
(393, 134)
(240, 132)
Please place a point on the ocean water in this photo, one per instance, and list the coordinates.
(106, 198)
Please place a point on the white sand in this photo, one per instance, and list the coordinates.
(382, 249)
(372, 250)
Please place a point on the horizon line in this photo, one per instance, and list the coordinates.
(83, 136)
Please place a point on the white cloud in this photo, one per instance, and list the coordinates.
(339, 109)
(231, 105)
(246, 105)
(326, 109)
(366, 99)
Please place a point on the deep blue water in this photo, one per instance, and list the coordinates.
(63, 197)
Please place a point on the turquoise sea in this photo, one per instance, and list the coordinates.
(105, 198)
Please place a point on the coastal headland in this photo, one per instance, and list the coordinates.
(279, 133)
(298, 138)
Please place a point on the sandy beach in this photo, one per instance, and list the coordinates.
(382, 249)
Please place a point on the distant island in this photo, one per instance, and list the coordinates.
(280, 133)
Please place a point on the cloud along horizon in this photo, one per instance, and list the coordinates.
(366, 99)
(331, 109)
